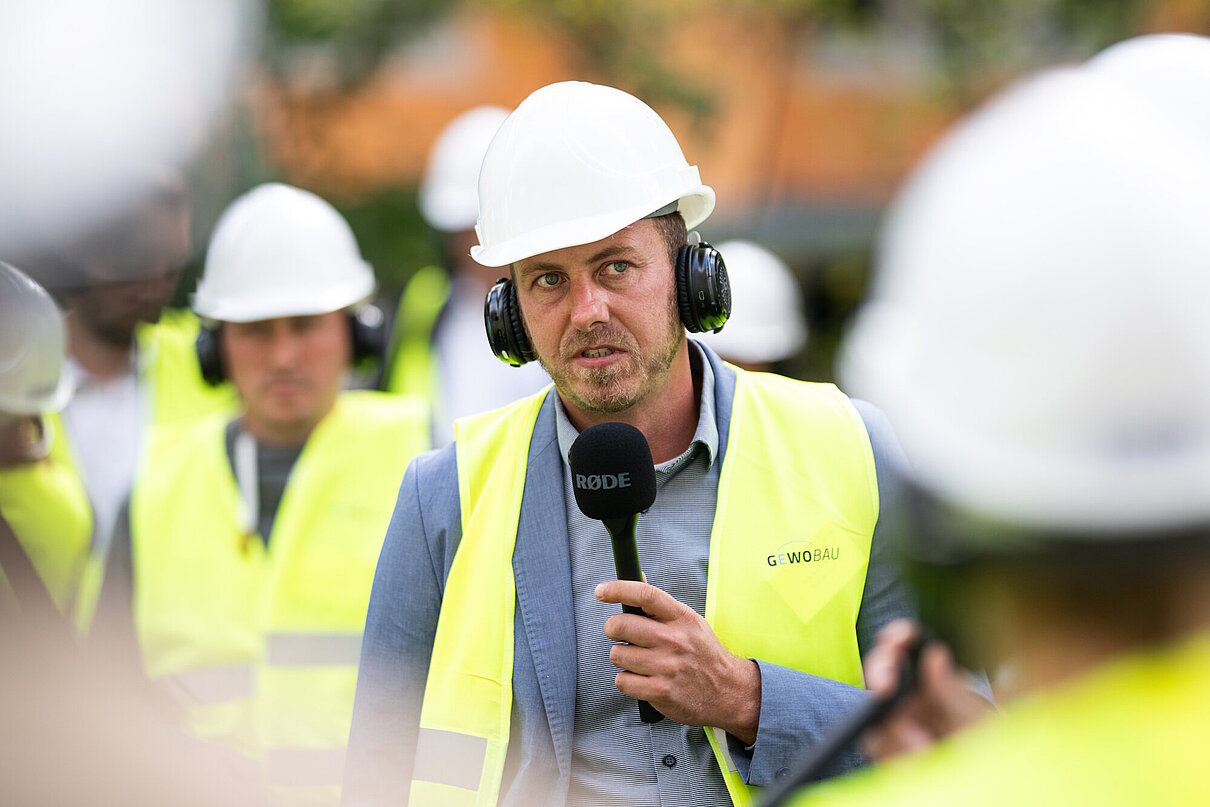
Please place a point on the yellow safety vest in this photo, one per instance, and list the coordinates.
(45, 504)
(175, 393)
(797, 504)
(411, 365)
(264, 642)
(1133, 732)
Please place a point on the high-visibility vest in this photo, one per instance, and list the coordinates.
(1133, 732)
(411, 363)
(263, 642)
(789, 550)
(174, 392)
(45, 504)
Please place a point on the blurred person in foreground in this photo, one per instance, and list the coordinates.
(45, 520)
(244, 560)
(65, 711)
(1038, 334)
(436, 348)
(768, 325)
(131, 363)
(496, 667)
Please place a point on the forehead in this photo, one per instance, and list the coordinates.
(640, 241)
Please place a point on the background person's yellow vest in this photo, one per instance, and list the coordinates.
(263, 643)
(175, 393)
(45, 504)
(797, 505)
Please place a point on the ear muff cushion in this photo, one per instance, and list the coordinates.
(518, 340)
(368, 333)
(209, 356)
(683, 306)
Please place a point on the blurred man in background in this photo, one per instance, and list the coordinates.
(437, 343)
(245, 559)
(767, 324)
(1038, 334)
(131, 364)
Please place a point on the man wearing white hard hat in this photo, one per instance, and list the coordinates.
(1038, 333)
(496, 667)
(436, 349)
(45, 518)
(768, 325)
(249, 543)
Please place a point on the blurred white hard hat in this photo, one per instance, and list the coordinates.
(32, 344)
(577, 162)
(767, 322)
(278, 251)
(449, 192)
(1037, 331)
(93, 91)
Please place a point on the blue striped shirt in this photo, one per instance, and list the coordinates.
(616, 758)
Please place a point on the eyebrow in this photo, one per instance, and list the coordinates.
(611, 251)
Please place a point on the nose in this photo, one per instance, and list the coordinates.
(589, 305)
(284, 346)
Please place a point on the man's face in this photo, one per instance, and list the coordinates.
(288, 371)
(135, 290)
(602, 318)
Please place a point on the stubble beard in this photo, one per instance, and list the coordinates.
(609, 390)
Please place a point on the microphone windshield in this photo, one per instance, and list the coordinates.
(612, 473)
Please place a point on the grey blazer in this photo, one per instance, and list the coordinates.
(796, 708)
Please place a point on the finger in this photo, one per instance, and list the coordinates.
(655, 602)
(634, 629)
(638, 660)
(653, 689)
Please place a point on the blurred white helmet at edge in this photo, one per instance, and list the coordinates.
(767, 323)
(577, 162)
(449, 191)
(95, 91)
(1037, 329)
(280, 251)
(32, 343)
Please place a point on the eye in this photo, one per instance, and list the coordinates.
(617, 267)
(548, 280)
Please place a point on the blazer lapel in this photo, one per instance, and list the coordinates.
(542, 570)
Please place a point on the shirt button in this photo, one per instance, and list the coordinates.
(669, 760)
(782, 773)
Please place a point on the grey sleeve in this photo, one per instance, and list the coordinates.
(400, 626)
(798, 709)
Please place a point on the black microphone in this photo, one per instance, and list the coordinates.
(613, 477)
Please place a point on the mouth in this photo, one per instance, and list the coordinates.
(597, 352)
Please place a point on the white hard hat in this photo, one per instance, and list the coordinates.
(575, 163)
(449, 192)
(1037, 332)
(278, 251)
(32, 339)
(767, 323)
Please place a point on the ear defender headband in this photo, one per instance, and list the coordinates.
(367, 335)
(703, 298)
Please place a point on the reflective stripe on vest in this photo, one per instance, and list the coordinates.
(411, 365)
(214, 606)
(799, 567)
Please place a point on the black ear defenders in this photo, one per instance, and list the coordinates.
(703, 298)
(367, 334)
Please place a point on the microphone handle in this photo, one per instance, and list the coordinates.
(626, 562)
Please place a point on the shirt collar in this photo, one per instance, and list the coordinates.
(705, 435)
